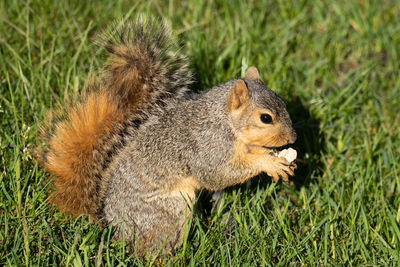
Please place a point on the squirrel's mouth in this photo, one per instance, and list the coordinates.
(283, 152)
(276, 149)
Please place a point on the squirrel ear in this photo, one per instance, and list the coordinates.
(240, 95)
(252, 73)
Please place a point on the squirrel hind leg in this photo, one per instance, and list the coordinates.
(150, 227)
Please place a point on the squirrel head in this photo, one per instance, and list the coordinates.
(259, 115)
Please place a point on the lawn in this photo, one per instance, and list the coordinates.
(336, 64)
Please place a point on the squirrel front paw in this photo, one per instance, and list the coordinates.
(279, 167)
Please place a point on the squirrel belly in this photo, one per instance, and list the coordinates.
(138, 147)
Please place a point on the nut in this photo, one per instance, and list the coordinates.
(289, 154)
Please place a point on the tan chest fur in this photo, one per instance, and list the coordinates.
(186, 188)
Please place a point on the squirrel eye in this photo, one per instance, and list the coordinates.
(266, 118)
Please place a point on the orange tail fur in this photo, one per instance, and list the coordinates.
(72, 157)
(144, 70)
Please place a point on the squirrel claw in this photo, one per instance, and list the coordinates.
(281, 168)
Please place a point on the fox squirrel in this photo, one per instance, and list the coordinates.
(134, 151)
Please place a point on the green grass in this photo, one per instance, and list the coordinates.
(336, 63)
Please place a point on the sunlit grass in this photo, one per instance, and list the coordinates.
(336, 63)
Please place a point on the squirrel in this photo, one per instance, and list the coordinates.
(137, 147)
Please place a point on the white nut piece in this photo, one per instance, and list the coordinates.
(289, 154)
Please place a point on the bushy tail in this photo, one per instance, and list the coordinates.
(144, 70)
(144, 66)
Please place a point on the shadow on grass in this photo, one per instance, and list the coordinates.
(310, 143)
